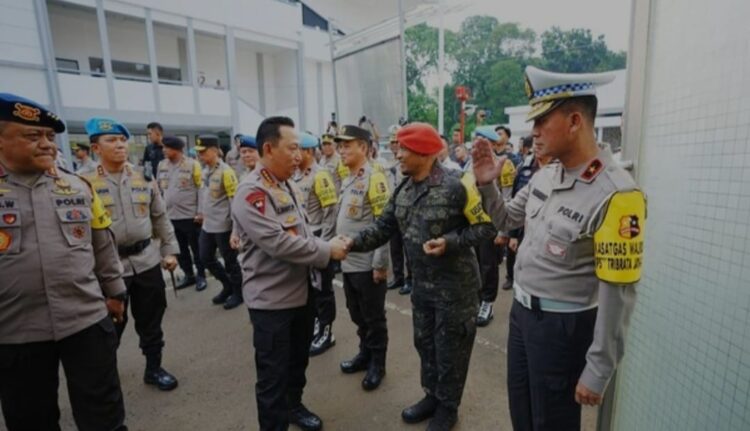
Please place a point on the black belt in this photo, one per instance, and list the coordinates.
(129, 250)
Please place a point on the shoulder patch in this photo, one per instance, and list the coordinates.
(325, 189)
(618, 242)
(592, 170)
(257, 199)
(508, 174)
(378, 192)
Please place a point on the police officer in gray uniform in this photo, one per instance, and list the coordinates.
(278, 254)
(145, 240)
(364, 194)
(219, 185)
(577, 266)
(440, 218)
(180, 180)
(60, 282)
(84, 164)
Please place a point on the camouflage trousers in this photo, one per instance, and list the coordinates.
(444, 336)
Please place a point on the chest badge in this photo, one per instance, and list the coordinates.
(5, 240)
(9, 218)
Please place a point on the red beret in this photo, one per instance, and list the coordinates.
(420, 138)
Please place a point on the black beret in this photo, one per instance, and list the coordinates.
(17, 109)
(173, 142)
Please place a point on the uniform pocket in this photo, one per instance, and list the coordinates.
(10, 232)
(75, 223)
(141, 202)
(558, 242)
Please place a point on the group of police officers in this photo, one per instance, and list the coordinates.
(284, 223)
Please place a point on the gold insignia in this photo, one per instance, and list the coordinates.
(26, 112)
(528, 88)
(61, 182)
(105, 126)
(290, 219)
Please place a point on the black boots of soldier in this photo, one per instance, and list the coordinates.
(373, 363)
(230, 296)
(156, 375)
(304, 418)
(443, 418)
(420, 411)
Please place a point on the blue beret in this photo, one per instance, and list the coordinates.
(105, 126)
(248, 141)
(307, 140)
(17, 109)
(487, 132)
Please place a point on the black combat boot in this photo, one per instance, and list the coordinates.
(200, 283)
(444, 420)
(235, 299)
(375, 372)
(186, 281)
(156, 375)
(420, 411)
(225, 293)
(405, 289)
(358, 363)
(304, 418)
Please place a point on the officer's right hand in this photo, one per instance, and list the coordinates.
(116, 308)
(234, 241)
(513, 245)
(487, 167)
(338, 249)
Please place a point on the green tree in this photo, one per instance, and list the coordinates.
(577, 51)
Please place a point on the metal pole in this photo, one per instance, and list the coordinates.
(193, 65)
(301, 99)
(50, 72)
(101, 19)
(401, 24)
(441, 68)
(152, 59)
(333, 69)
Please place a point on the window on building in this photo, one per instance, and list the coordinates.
(67, 65)
(310, 18)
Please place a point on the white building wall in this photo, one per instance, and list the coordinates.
(210, 54)
(19, 36)
(76, 35)
(247, 73)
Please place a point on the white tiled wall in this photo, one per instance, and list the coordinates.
(687, 363)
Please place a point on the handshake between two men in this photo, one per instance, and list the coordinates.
(341, 245)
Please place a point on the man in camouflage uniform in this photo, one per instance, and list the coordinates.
(319, 202)
(60, 282)
(139, 216)
(440, 218)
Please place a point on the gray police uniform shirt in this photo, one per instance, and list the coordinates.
(138, 213)
(332, 165)
(87, 167)
(58, 258)
(277, 248)
(358, 208)
(180, 183)
(219, 186)
(559, 206)
(318, 199)
(234, 159)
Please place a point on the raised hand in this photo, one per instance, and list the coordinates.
(487, 167)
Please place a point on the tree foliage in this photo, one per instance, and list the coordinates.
(489, 57)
